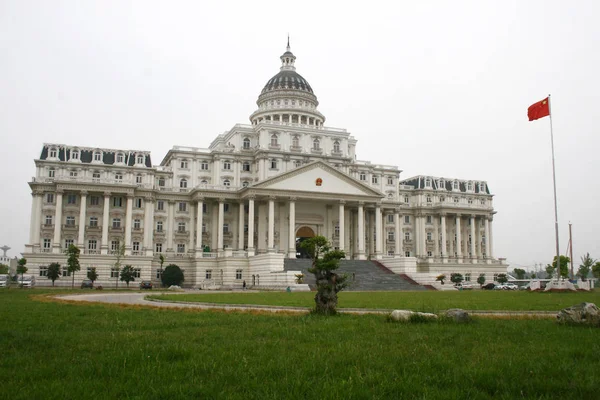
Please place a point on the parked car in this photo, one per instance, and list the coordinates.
(4, 281)
(87, 284)
(146, 285)
(27, 281)
(510, 286)
(463, 286)
(489, 286)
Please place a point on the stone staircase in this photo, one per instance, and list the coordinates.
(364, 275)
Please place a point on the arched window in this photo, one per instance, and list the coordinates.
(245, 184)
(226, 182)
(482, 187)
(140, 159)
(427, 182)
(297, 163)
(246, 143)
(336, 146)
(316, 144)
(183, 183)
(74, 154)
(53, 153)
(246, 166)
(274, 141)
(204, 182)
(51, 172)
(469, 186)
(273, 163)
(442, 184)
(296, 141)
(138, 178)
(455, 185)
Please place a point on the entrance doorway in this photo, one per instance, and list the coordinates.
(302, 234)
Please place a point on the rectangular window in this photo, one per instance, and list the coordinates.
(71, 199)
(467, 277)
(362, 176)
(47, 244)
(204, 208)
(391, 236)
(93, 221)
(50, 198)
(114, 272)
(135, 246)
(160, 205)
(116, 222)
(43, 271)
(73, 174)
(226, 207)
(374, 179)
(429, 236)
(429, 219)
(181, 227)
(96, 176)
(94, 201)
(92, 244)
(137, 203)
(208, 274)
(238, 274)
(159, 226)
(51, 173)
(406, 199)
(137, 224)
(407, 236)
(203, 228)
(68, 242)
(158, 247)
(137, 272)
(390, 180)
(114, 245)
(336, 231)
(225, 228)
(138, 179)
(48, 219)
(65, 272)
(407, 254)
(390, 218)
(70, 221)
(158, 273)
(180, 248)
(204, 166)
(407, 219)
(117, 202)
(182, 206)
(429, 254)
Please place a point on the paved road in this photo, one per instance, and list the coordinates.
(139, 299)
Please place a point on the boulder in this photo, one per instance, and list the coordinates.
(457, 315)
(584, 313)
(175, 288)
(406, 315)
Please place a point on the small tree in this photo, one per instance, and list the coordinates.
(92, 275)
(564, 266)
(127, 274)
(587, 263)
(455, 278)
(324, 263)
(73, 262)
(161, 259)
(21, 268)
(481, 279)
(519, 273)
(119, 254)
(533, 275)
(53, 272)
(172, 275)
(502, 278)
(441, 278)
(596, 270)
(3, 269)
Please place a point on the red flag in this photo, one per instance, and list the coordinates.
(539, 110)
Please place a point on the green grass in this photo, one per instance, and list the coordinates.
(418, 301)
(78, 351)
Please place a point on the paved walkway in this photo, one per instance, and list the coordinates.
(139, 299)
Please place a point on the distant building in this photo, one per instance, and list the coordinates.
(235, 210)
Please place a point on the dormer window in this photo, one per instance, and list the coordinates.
(120, 158)
(336, 146)
(442, 184)
(183, 183)
(274, 141)
(140, 159)
(74, 154)
(427, 182)
(482, 187)
(97, 156)
(470, 186)
(296, 141)
(316, 144)
(246, 143)
(53, 153)
(455, 185)
(184, 164)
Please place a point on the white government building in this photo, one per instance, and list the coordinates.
(237, 210)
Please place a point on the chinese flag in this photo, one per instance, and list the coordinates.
(538, 110)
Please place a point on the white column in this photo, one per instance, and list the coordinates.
(378, 233)
(241, 227)
(436, 237)
(271, 226)
(292, 229)
(397, 234)
(191, 244)
(199, 223)
(361, 232)
(487, 237)
(221, 221)
(128, 216)
(148, 225)
(105, 214)
(491, 241)
(57, 223)
(458, 238)
(170, 227)
(444, 239)
(82, 208)
(250, 227)
(341, 225)
(473, 240)
(36, 218)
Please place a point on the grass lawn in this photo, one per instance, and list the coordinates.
(78, 351)
(431, 301)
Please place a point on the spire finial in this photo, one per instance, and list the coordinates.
(288, 44)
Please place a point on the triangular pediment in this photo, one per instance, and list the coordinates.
(318, 177)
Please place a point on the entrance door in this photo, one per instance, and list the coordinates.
(302, 234)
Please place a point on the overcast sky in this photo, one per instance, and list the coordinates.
(436, 88)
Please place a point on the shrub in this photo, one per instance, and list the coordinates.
(172, 275)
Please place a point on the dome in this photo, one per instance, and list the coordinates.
(287, 79)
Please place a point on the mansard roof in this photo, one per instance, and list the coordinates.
(418, 182)
(87, 154)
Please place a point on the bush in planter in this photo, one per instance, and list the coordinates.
(172, 275)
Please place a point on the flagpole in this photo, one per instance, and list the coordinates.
(555, 203)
